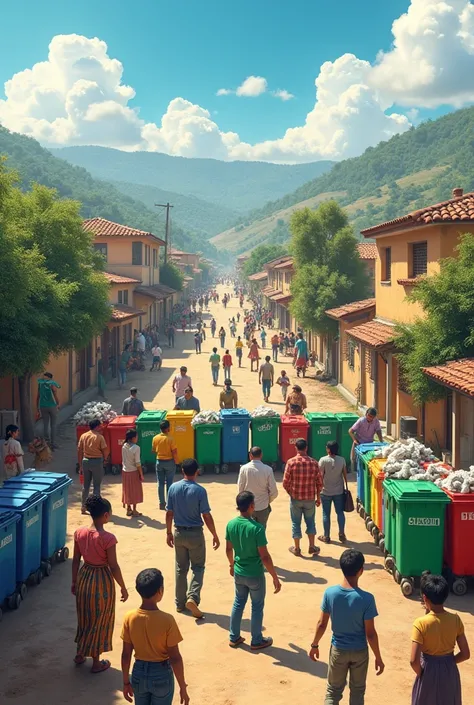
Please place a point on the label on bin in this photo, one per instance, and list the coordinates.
(235, 429)
(32, 521)
(180, 429)
(58, 504)
(423, 521)
(5, 541)
(145, 434)
(208, 433)
(467, 516)
(324, 431)
(265, 427)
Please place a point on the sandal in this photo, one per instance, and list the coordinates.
(137, 514)
(235, 644)
(104, 665)
(324, 539)
(314, 550)
(342, 538)
(295, 551)
(79, 659)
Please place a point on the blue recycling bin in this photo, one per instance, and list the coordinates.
(360, 451)
(8, 538)
(29, 505)
(56, 488)
(235, 435)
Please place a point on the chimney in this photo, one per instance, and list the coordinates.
(457, 192)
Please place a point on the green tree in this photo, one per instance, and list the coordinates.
(446, 332)
(53, 283)
(261, 255)
(329, 271)
(171, 275)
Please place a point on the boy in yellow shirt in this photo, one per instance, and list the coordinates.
(166, 457)
(239, 350)
(154, 637)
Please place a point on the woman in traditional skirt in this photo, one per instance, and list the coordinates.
(94, 587)
(254, 355)
(434, 638)
(132, 474)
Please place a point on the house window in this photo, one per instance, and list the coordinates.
(155, 258)
(101, 248)
(387, 264)
(137, 253)
(125, 296)
(419, 259)
(120, 297)
(350, 349)
(147, 255)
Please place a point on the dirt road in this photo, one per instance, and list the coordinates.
(37, 642)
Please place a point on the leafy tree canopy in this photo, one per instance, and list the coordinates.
(171, 275)
(261, 255)
(447, 330)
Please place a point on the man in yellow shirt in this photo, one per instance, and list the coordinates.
(166, 454)
(238, 350)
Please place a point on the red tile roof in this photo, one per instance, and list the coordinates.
(121, 312)
(367, 250)
(118, 279)
(353, 307)
(374, 334)
(278, 260)
(106, 228)
(258, 276)
(457, 375)
(158, 291)
(457, 210)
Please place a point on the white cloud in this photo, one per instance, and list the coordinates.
(252, 87)
(77, 96)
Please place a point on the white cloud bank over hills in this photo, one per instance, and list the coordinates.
(77, 97)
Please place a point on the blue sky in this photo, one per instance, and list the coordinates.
(190, 49)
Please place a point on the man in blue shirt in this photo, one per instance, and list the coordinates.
(189, 507)
(188, 402)
(352, 612)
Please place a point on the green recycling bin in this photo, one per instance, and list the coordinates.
(390, 516)
(365, 460)
(148, 425)
(265, 434)
(208, 445)
(347, 419)
(323, 427)
(419, 526)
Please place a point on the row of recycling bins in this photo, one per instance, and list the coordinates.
(222, 445)
(33, 525)
(417, 525)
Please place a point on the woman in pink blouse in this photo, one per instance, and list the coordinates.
(93, 585)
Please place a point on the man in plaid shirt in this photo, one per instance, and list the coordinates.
(303, 482)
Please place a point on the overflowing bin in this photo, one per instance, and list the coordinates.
(182, 433)
(117, 429)
(9, 595)
(292, 428)
(364, 452)
(55, 486)
(208, 445)
(235, 437)
(347, 420)
(377, 473)
(459, 540)
(323, 427)
(265, 432)
(148, 426)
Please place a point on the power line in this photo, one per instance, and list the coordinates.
(167, 227)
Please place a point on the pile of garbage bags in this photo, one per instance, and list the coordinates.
(458, 481)
(207, 416)
(93, 410)
(263, 411)
(404, 458)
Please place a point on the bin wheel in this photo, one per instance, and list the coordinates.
(23, 591)
(146, 468)
(77, 468)
(217, 469)
(397, 576)
(361, 511)
(407, 586)
(115, 469)
(382, 545)
(389, 563)
(14, 601)
(64, 554)
(357, 506)
(370, 524)
(274, 466)
(202, 469)
(375, 533)
(225, 468)
(47, 568)
(38, 577)
(459, 587)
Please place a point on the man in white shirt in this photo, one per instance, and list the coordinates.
(180, 382)
(258, 478)
(141, 342)
(157, 353)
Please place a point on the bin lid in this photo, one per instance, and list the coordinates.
(458, 497)
(376, 467)
(347, 415)
(362, 448)
(151, 416)
(417, 491)
(320, 416)
(8, 517)
(207, 426)
(181, 415)
(18, 500)
(233, 414)
(290, 420)
(273, 420)
(123, 421)
(41, 481)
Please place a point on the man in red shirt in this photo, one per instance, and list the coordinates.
(303, 482)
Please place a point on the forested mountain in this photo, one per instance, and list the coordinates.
(238, 186)
(98, 198)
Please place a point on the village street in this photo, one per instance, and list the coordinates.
(37, 667)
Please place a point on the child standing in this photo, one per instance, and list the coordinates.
(227, 364)
(154, 636)
(352, 612)
(434, 637)
(239, 349)
(284, 382)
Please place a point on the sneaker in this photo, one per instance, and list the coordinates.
(264, 644)
(162, 506)
(193, 607)
(179, 608)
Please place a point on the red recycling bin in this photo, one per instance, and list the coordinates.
(292, 428)
(116, 438)
(459, 534)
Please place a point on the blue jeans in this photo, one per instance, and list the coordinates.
(215, 374)
(222, 341)
(275, 353)
(339, 501)
(266, 387)
(152, 683)
(122, 376)
(243, 587)
(165, 471)
(300, 508)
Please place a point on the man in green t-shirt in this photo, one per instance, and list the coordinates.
(215, 360)
(246, 549)
(47, 403)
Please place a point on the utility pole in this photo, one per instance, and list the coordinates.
(167, 227)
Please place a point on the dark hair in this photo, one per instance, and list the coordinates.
(128, 345)
(133, 390)
(300, 335)
(226, 352)
(214, 350)
(372, 411)
(188, 389)
(435, 588)
(164, 425)
(11, 428)
(256, 451)
(148, 582)
(190, 467)
(267, 358)
(351, 562)
(94, 424)
(333, 447)
(301, 444)
(48, 375)
(227, 382)
(97, 506)
(183, 368)
(244, 500)
(130, 433)
(297, 388)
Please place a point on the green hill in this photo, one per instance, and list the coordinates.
(409, 171)
(36, 164)
(239, 186)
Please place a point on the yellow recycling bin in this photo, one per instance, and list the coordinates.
(182, 433)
